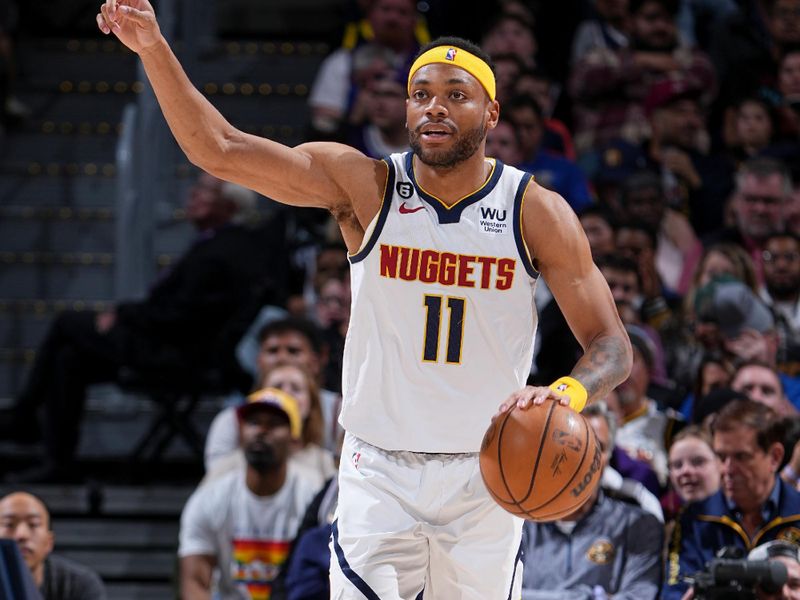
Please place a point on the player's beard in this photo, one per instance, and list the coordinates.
(464, 147)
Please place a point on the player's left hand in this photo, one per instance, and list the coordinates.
(530, 396)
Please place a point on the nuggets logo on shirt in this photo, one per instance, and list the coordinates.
(255, 564)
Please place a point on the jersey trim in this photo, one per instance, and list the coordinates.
(452, 214)
(383, 212)
(519, 199)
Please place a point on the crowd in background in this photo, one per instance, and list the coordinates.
(672, 127)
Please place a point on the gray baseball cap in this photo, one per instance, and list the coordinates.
(733, 307)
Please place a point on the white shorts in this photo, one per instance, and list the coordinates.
(415, 526)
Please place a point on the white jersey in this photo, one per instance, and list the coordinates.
(443, 319)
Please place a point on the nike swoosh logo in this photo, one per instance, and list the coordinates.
(404, 210)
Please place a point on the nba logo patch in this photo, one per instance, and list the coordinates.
(451, 54)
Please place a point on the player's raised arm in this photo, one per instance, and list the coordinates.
(559, 246)
(316, 174)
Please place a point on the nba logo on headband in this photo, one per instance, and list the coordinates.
(451, 54)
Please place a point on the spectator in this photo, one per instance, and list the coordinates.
(384, 130)
(511, 33)
(781, 292)
(25, 519)
(761, 383)
(644, 431)
(223, 447)
(393, 43)
(537, 84)
(237, 530)
(606, 29)
(598, 225)
(763, 189)
(607, 548)
(677, 247)
(551, 171)
(176, 329)
(755, 128)
(288, 341)
(787, 553)
(502, 143)
(694, 469)
(752, 504)
(789, 88)
(610, 86)
(713, 373)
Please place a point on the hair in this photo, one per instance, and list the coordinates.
(524, 101)
(618, 262)
(671, 6)
(693, 431)
(510, 57)
(303, 327)
(509, 16)
(639, 225)
(743, 267)
(709, 358)
(600, 409)
(36, 497)
(641, 179)
(753, 415)
(461, 44)
(601, 211)
(786, 234)
(763, 167)
(314, 422)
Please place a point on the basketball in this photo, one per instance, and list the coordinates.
(541, 463)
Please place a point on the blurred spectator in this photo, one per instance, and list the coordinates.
(713, 372)
(223, 447)
(698, 18)
(645, 429)
(237, 530)
(694, 469)
(537, 84)
(606, 29)
(677, 247)
(610, 86)
(507, 69)
(744, 46)
(762, 383)
(392, 25)
(789, 88)
(787, 553)
(755, 128)
(607, 548)
(551, 171)
(719, 260)
(511, 33)
(294, 341)
(781, 292)
(384, 131)
(752, 503)
(25, 519)
(598, 225)
(763, 188)
(502, 143)
(174, 331)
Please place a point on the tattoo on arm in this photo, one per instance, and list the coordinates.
(605, 364)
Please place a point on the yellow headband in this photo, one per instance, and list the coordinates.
(450, 55)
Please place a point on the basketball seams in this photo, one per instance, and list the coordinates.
(542, 441)
(574, 473)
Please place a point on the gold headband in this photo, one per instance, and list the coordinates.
(449, 55)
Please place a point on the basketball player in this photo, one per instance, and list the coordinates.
(445, 250)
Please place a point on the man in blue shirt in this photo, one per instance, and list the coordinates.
(753, 505)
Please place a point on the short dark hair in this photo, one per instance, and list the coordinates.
(303, 327)
(617, 262)
(753, 415)
(639, 225)
(671, 6)
(601, 211)
(461, 44)
(525, 101)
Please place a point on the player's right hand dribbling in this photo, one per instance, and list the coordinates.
(132, 21)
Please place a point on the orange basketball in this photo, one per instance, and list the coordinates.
(541, 463)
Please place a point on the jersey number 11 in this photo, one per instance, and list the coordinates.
(455, 329)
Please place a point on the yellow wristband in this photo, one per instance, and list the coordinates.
(572, 388)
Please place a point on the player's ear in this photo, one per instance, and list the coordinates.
(492, 114)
